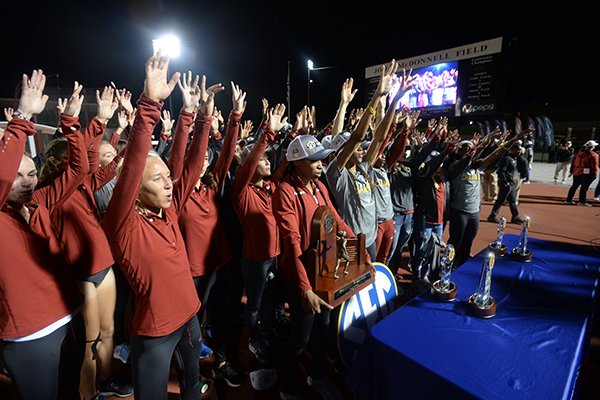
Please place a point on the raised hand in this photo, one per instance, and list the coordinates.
(207, 97)
(131, 116)
(72, 106)
(275, 120)
(190, 91)
(8, 113)
(238, 97)
(107, 104)
(32, 100)
(412, 119)
(246, 129)
(167, 123)
(124, 98)
(122, 119)
(214, 125)
(387, 79)
(347, 92)
(156, 86)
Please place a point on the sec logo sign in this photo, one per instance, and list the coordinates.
(360, 312)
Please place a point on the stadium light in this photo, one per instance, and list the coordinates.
(168, 45)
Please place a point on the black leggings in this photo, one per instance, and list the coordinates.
(306, 328)
(151, 362)
(463, 229)
(48, 367)
(204, 284)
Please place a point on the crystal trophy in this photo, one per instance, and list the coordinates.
(497, 246)
(481, 303)
(444, 289)
(521, 252)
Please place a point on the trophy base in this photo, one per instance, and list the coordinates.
(498, 250)
(482, 312)
(525, 257)
(444, 295)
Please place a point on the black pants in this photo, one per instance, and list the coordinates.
(204, 285)
(124, 292)
(584, 181)
(506, 193)
(151, 362)
(463, 229)
(48, 367)
(306, 329)
(223, 303)
(261, 287)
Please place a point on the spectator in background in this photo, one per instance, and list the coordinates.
(564, 157)
(584, 169)
(528, 155)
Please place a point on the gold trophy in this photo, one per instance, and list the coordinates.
(521, 252)
(497, 246)
(481, 304)
(444, 289)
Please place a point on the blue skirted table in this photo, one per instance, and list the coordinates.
(531, 349)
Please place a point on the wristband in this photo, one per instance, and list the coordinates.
(20, 115)
(371, 110)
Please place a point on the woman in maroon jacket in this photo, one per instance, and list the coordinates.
(251, 193)
(294, 203)
(77, 225)
(146, 241)
(200, 220)
(41, 331)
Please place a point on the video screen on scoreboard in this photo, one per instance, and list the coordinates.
(435, 85)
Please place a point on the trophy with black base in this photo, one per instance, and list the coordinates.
(444, 289)
(481, 304)
(521, 252)
(336, 265)
(497, 246)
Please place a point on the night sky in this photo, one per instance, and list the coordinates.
(551, 61)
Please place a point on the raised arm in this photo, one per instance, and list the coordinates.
(190, 93)
(156, 89)
(197, 152)
(345, 98)
(12, 143)
(107, 105)
(246, 172)
(386, 81)
(238, 98)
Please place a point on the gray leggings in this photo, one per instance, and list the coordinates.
(48, 367)
(151, 362)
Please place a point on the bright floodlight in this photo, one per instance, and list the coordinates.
(310, 64)
(168, 45)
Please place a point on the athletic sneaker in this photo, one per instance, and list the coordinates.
(113, 387)
(584, 204)
(203, 385)
(260, 351)
(324, 387)
(205, 351)
(233, 377)
(122, 352)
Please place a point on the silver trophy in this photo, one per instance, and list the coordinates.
(444, 289)
(521, 252)
(497, 246)
(481, 303)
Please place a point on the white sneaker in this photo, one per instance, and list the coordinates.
(597, 198)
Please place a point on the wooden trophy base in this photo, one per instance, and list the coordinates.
(498, 250)
(444, 295)
(524, 257)
(337, 290)
(481, 312)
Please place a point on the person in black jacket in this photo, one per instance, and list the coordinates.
(564, 157)
(507, 169)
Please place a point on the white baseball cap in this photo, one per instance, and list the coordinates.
(339, 140)
(306, 146)
(326, 141)
(591, 143)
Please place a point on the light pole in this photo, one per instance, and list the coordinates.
(310, 66)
